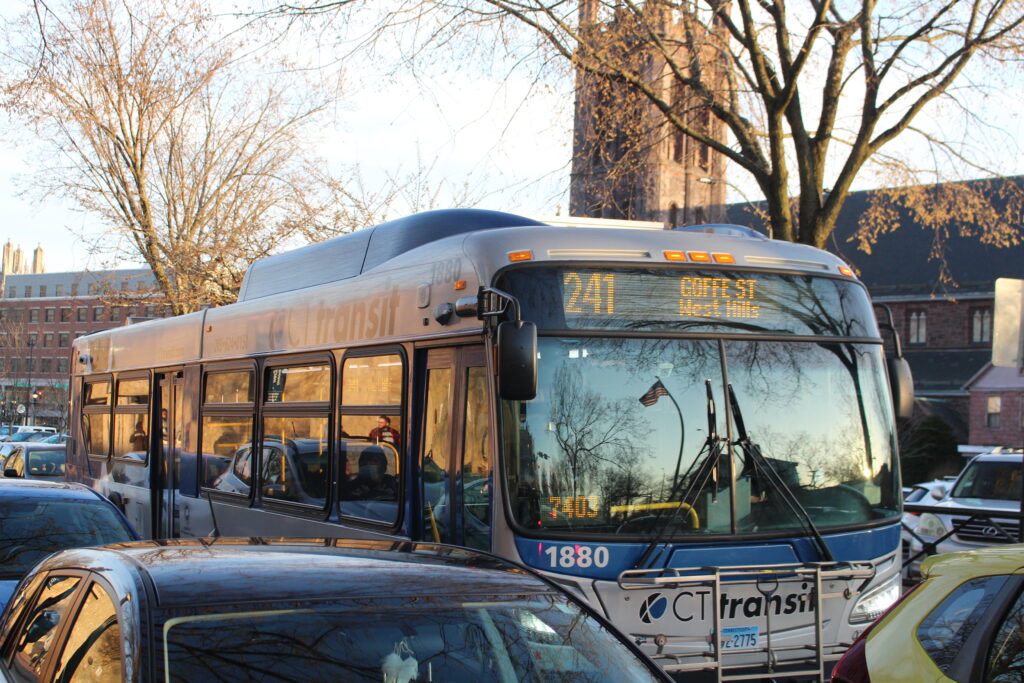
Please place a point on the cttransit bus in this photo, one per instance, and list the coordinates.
(693, 428)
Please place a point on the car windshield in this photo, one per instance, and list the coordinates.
(31, 529)
(990, 481)
(431, 638)
(45, 462)
(622, 439)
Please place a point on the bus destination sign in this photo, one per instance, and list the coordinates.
(597, 293)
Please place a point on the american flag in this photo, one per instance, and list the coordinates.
(656, 391)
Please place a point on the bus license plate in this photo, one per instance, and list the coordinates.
(739, 638)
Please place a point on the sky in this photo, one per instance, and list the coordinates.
(462, 132)
(502, 144)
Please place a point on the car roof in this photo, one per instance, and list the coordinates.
(187, 572)
(22, 488)
(1004, 559)
(39, 445)
(998, 457)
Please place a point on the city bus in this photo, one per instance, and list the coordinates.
(693, 429)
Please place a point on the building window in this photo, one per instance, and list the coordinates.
(42, 290)
(981, 325)
(82, 314)
(97, 313)
(63, 340)
(45, 365)
(93, 288)
(918, 332)
(74, 289)
(28, 291)
(48, 339)
(65, 315)
(58, 290)
(32, 339)
(62, 366)
(115, 313)
(993, 406)
(30, 364)
(17, 315)
(50, 315)
(33, 315)
(11, 294)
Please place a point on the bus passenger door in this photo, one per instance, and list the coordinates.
(167, 456)
(456, 463)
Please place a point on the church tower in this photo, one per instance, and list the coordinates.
(628, 161)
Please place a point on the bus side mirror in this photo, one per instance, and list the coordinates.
(10, 473)
(901, 382)
(517, 360)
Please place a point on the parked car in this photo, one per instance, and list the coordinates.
(59, 437)
(925, 493)
(18, 437)
(14, 430)
(961, 623)
(989, 482)
(35, 460)
(39, 518)
(258, 609)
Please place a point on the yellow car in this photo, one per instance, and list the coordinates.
(964, 622)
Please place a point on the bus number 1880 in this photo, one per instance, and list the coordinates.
(576, 556)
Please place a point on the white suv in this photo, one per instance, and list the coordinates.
(989, 482)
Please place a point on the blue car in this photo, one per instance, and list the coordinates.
(38, 518)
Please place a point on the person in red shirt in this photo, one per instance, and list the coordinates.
(385, 433)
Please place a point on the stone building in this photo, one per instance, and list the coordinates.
(628, 163)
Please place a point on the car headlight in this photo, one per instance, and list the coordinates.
(931, 525)
(871, 605)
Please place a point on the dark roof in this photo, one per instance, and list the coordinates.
(26, 488)
(899, 265)
(268, 570)
(944, 369)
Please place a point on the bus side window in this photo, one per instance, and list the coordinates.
(227, 431)
(373, 435)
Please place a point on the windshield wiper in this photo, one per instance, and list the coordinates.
(755, 462)
(708, 467)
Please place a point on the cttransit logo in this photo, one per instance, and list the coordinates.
(653, 607)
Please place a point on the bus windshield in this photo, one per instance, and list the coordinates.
(635, 436)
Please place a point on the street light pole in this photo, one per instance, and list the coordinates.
(30, 371)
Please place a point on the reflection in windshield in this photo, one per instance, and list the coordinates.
(490, 638)
(594, 453)
(32, 529)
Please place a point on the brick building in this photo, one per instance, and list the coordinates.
(40, 314)
(627, 163)
(946, 328)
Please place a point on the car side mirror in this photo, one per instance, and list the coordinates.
(10, 473)
(517, 360)
(938, 493)
(901, 382)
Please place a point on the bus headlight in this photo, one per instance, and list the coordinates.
(931, 525)
(871, 605)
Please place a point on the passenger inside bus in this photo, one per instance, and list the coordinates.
(372, 482)
(385, 433)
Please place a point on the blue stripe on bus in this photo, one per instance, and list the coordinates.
(608, 560)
